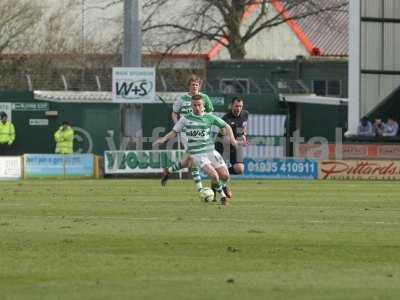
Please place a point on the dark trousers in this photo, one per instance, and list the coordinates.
(5, 149)
(230, 153)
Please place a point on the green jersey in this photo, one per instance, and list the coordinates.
(198, 131)
(183, 104)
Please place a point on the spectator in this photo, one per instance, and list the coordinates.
(64, 138)
(390, 128)
(378, 127)
(7, 135)
(365, 128)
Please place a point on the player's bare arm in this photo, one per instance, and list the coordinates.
(172, 134)
(230, 135)
(174, 117)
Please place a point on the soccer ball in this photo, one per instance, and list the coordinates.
(206, 195)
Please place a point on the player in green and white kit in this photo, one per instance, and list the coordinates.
(197, 126)
(183, 107)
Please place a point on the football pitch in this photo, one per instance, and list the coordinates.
(133, 239)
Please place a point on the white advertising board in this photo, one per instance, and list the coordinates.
(6, 107)
(134, 85)
(10, 167)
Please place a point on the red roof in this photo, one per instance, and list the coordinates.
(324, 34)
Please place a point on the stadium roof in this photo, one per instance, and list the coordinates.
(312, 99)
(92, 97)
(73, 97)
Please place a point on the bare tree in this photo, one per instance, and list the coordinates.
(222, 21)
(168, 25)
(95, 23)
(17, 20)
(69, 27)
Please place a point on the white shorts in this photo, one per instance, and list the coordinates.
(213, 158)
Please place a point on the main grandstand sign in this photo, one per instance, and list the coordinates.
(359, 169)
(134, 85)
(133, 162)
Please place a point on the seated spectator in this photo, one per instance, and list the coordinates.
(365, 128)
(390, 128)
(378, 127)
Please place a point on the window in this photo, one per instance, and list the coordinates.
(319, 87)
(327, 87)
(234, 86)
(334, 88)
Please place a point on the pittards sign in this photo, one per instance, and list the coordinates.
(359, 169)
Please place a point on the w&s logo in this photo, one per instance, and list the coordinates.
(134, 85)
(134, 89)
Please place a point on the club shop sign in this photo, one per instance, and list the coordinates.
(359, 169)
(132, 162)
(134, 85)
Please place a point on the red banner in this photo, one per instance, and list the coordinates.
(347, 151)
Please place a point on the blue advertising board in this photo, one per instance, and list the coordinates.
(79, 165)
(43, 165)
(279, 169)
(54, 165)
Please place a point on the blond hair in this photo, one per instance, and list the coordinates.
(194, 78)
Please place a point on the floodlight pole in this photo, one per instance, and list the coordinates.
(354, 66)
(131, 56)
(83, 41)
(131, 115)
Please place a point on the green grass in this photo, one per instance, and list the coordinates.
(132, 239)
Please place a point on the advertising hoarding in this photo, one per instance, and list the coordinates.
(10, 167)
(279, 169)
(56, 165)
(134, 85)
(143, 161)
(347, 151)
(359, 169)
